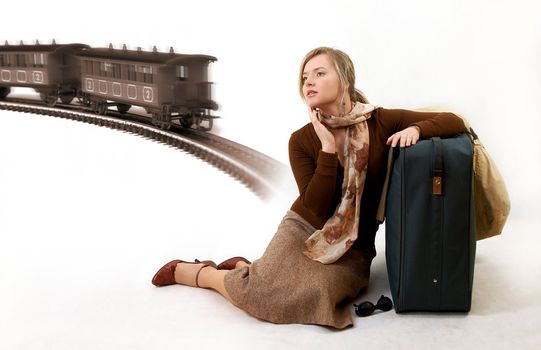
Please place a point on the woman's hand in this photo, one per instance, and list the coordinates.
(325, 136)
(407, 137)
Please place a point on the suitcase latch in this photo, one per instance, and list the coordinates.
(437, 185)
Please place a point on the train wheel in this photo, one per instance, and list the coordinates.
(186, 122)
(98, 107)
(66, 99)
(123, 108)
(49, 99)
(84, 101)
(160, 122)
(210, 123)
(95, 106)
(102, 108)
(201, 125)
(4, 92)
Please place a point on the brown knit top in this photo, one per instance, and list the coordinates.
(319, 175)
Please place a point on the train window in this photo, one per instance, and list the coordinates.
(21, 60)
(37, 59)
(106, 69)
(89, 67)
(3, 62)
(146, 69)
(147, 74)
(116, 70)
(131, 72)
(182, 72)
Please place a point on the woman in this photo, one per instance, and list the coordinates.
(320, 256)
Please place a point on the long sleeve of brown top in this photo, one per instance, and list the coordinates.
(319, 175)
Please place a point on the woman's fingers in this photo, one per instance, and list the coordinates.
(312, 114)
(404, 138)
(325, 136)
(393, 140)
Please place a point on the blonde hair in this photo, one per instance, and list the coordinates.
(343, 66)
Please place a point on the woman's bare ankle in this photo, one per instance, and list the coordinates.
(187, 274)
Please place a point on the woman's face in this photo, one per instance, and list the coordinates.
(321, 83)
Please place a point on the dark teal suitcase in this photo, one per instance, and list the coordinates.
(430, 237)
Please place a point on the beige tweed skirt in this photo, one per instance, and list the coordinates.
(285, 286)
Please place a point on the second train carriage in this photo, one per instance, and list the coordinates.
(170, 86)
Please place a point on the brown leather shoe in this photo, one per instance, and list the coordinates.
(166, 275)
(230, 263)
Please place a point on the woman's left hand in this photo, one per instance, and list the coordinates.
(406, 137)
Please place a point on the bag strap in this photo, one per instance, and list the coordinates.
(380, 216)
(469, 130)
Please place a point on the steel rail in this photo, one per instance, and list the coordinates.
(260, 173)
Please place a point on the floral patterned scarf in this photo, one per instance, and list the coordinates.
(340, 231)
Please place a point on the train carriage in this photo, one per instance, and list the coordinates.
(172, 87)
(52, 70)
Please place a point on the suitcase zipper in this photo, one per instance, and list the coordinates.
(437, 195)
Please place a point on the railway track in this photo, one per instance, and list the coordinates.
(260, 173)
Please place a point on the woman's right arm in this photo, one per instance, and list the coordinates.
(315, 174)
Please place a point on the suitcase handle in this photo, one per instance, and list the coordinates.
(437, 167)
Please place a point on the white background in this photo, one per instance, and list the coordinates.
(88, 214)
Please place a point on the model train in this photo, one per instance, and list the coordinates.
(172, 88)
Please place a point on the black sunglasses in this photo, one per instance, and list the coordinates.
(367, 308)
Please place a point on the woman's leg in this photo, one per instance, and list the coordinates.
(209, 277)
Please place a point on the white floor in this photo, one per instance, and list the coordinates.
(87, 215)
